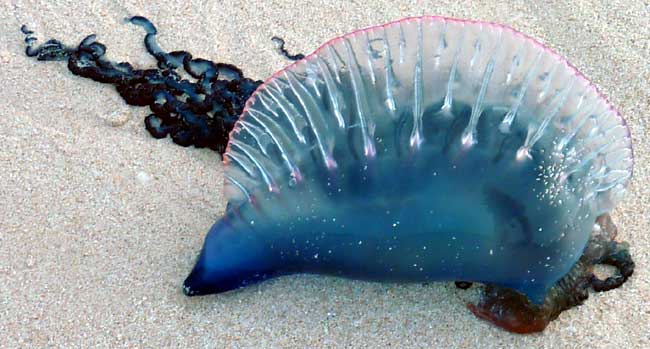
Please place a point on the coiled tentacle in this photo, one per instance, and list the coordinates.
(199, 112)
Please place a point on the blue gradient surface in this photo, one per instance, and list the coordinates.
(422, 150)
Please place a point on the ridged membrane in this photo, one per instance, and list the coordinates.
(402, 67)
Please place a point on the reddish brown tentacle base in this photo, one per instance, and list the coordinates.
(514, 312)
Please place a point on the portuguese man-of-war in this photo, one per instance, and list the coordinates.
(427, 149)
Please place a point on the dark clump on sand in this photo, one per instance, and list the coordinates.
(199, 112)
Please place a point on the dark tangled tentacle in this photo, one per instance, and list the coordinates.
(284, 52)
(622, 261)
(199, 113)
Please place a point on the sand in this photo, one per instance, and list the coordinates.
(99, 223)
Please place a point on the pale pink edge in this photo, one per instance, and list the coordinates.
(535, 42)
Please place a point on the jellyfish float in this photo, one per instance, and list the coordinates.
(426, 149)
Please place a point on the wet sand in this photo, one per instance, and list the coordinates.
(100, 223)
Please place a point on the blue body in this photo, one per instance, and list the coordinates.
(426, 149)
(472, 215)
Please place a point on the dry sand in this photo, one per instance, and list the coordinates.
(99, 224)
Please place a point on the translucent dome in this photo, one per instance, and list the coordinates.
(421, 150)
